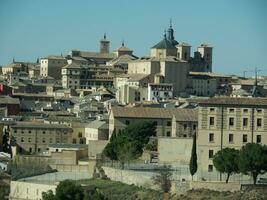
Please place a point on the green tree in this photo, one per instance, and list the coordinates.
(48, 195)
(226, 161)
(129, 143)
(193, 159)
(253, 160)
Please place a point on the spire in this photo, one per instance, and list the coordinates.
(122, 43)
(105, 36)
(13, 59)
(170, 22)
(165, 37)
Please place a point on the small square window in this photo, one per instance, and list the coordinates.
(185, 126)
(231, 110)
(231, 138)
(212, 109)
(245, 138)
(245, 122)
(127, 122)
(210, 154)
(211, 137)
(211, 121)
(259, 111)
(231, 121)
(168, 133)
(210, 168)
(258, 138)
(245, 110)
(169, 123)
(259, 122)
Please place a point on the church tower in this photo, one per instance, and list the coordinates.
(104, 45)
(170, 35)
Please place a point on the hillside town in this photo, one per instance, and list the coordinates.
(61, 116)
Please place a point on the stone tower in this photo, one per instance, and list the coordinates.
(104, 45)
(206, 53)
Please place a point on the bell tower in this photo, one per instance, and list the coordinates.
(104, 45)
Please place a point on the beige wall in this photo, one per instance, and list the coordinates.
(174, 150)
(26, 190)
(96, 147)
(143, 67)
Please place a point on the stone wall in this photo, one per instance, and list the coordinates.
(70, 168)
(24, 190)
(130, 177)
(217, 186)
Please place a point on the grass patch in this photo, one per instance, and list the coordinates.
(114, 190)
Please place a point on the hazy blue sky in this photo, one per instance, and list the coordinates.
(236, 28)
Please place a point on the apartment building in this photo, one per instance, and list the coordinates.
(228, 122)
(52, 65)
(33, 137)
(78, 76)
(168, 121)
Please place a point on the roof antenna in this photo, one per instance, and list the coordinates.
(170, 22)
(122, 44)
(105, 36)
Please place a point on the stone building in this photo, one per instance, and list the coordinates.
(76, 76)
(33, 137)
(228, 122)
(168, 121)
(52, 65)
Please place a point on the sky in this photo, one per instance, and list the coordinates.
(237, 29)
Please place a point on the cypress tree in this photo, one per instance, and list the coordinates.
(193, 160)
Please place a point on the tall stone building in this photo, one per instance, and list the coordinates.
(228, 122)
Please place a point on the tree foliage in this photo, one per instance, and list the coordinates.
(253, 160)
(226, 161)
(129, 143)
(69, 190)
(163, 178)
(193, 159)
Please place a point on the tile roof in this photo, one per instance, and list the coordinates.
(154, 113)
(39, 125)
(248, 101)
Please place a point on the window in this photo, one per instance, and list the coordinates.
(155, 123)
(210, 154)
(185, 126)
(30, 149)
(38, 149)
(22, 132)
(210, 168)
(15, 131)
(259, 122)
(29, 131)
(211, 137)
(43, 132)
(258, 138)
(245, 122)
(259, 111)
(80, 134)
(43, 140)
(194, 127)
(245, 110)
(168, 133)
(211, 121)
(169, 123)
(29, 139)
(74, 141)
(212, 109)
(127, 122)
(231, 110)
(22, 139)
(245, 138)
(231, 121)
(231, 138)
